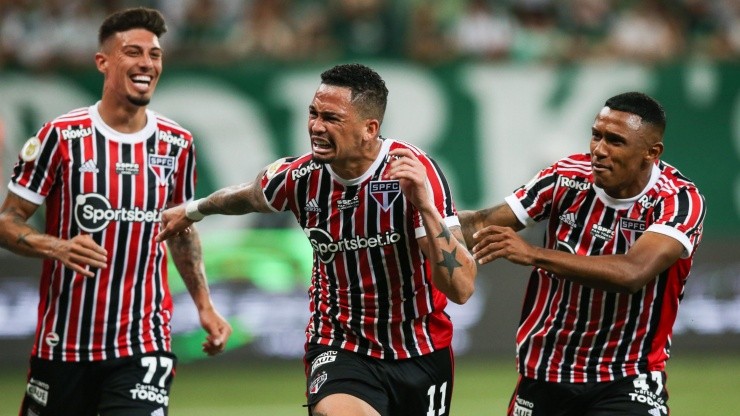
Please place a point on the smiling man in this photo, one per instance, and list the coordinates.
(622, 230)
(105, 173)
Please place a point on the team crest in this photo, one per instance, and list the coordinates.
(385, 192)
(317, 382)
(162, 166)
(631, 229)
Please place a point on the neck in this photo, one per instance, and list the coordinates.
(354, 168)
(125, 119)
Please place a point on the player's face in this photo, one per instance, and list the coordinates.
(132, 64)
(621, 153)
(335, 127)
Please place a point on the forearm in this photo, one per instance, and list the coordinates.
(470, 222)
(187, 255)
(20, 238)
(613, 273)
(473, 221)
(235, 200)
(453, 268)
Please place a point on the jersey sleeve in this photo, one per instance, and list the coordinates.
(38, 163)
(441, 195)
(681, 216)
(275, 184)
(532, 201)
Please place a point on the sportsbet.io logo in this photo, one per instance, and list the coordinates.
(93, 213)
(326, 248)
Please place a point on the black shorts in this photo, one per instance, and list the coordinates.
(131, 386)
(417, 386)
(643, 395)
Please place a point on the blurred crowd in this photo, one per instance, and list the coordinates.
(46, 34)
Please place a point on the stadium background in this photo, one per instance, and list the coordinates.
(491, 113)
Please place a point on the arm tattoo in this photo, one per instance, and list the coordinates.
(449, 261)
(445, 232)
(187, 255)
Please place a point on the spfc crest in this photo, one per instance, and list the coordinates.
(162, 166)
(385, 192)
(631, 229)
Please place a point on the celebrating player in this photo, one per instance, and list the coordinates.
(106, 172)
(388, 253)
(622, 229)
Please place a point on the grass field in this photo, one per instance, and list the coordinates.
(699, 385)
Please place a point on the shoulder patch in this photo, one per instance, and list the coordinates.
(273, 168)
(31, 149)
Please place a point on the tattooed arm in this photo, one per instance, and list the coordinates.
(453, 267)
(186, 253)
(474, 221)
(232, 200)
(79, 253)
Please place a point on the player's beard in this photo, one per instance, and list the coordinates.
(321, 161)
(139, 101)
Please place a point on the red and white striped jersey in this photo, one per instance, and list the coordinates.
(112, 186)
(572, 333)
(371, 287)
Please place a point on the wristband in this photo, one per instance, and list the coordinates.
(191, 211)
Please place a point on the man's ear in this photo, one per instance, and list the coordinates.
(372, 127)
(654, 152)
(101, 62)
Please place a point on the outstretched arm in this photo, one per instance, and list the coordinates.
(474, 221)
(232, 200)
(453, 268)
(186, 253)
(79, 253)
(651, 254)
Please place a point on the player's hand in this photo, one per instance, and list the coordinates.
(81, 253)
(494, 242)
(412, 175)
(174, 222)
(218, 329)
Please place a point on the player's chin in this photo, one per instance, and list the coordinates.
(322, 158)
(139, 100)
(601, 181)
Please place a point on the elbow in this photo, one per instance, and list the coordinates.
(461, 296)
(635, 285)
(631, 283)
(463, 293)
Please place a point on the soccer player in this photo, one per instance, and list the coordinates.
(622, 229)
(388, 253)
(105, 172)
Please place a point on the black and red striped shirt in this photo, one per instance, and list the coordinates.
(371, 288)
(572, 333)
(112, 186)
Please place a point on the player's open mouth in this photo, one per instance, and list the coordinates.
(141, 82)
(320, 145)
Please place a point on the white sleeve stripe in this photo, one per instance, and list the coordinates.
(673, 233)
(519, 211)
(26, 194)
(453, 221)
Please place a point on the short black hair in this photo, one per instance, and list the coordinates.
(369, 93)
(648, 108)
(133, 18)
